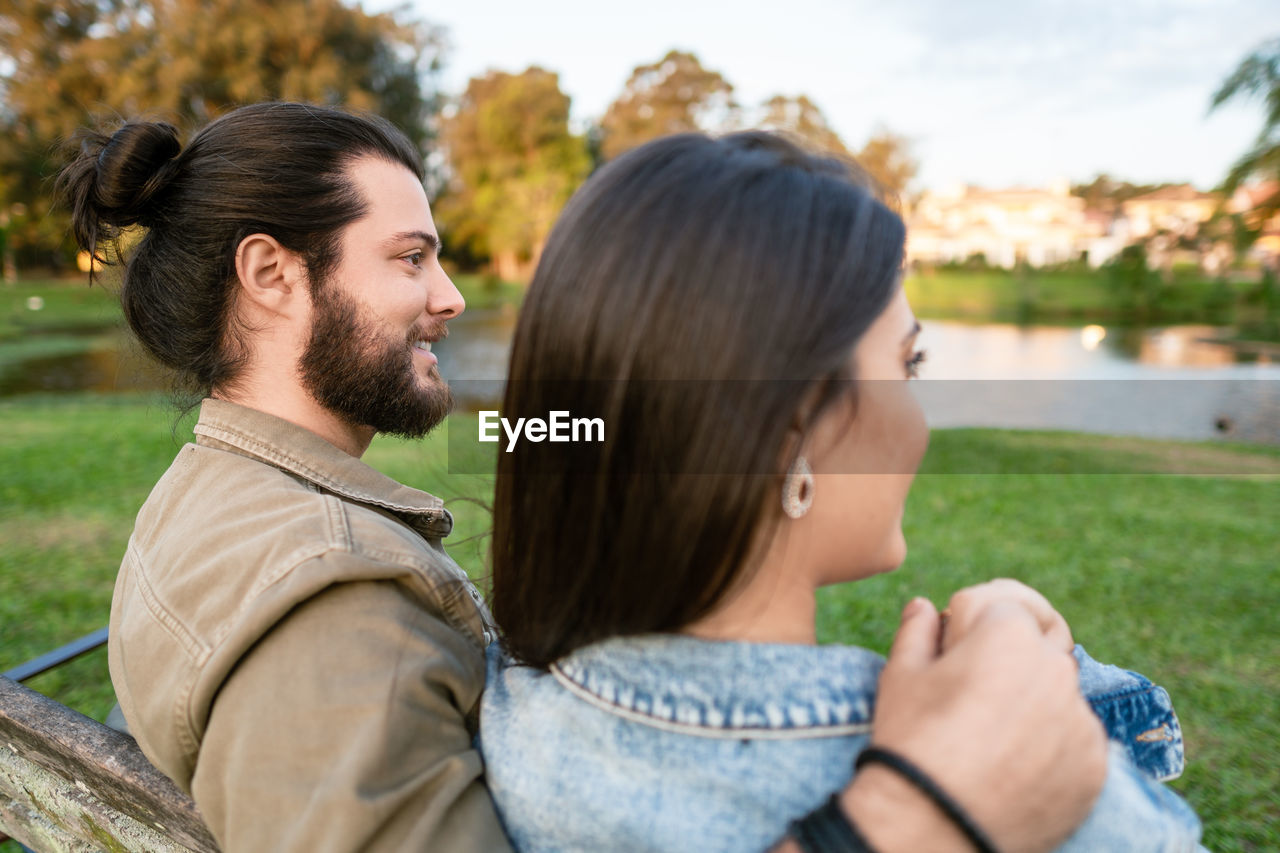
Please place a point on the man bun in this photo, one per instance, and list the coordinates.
(118, 180)
(276, 168)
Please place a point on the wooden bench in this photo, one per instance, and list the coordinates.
(69, 783)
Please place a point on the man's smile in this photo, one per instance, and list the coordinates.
(423, 336)
(422, 349)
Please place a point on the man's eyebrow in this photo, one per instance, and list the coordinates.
(431, 241)
(915, 330)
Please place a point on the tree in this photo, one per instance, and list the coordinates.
(1106, 194)
(888, 158)
(1098, 194)
(673, 95)
(800, 117)
(514, 164)
(319, 51)
(47, 55)
(1257, 75)
(68, 63)
(1134, 285)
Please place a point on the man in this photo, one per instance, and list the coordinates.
(289, 640)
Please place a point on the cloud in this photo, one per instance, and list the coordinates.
(1085, 50)
(991, 92)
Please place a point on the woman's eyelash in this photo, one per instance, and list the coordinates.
(913, 364)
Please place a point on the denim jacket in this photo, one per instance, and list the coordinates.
(671, 743)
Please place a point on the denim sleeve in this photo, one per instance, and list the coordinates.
(1134, 813)
(1137, 715)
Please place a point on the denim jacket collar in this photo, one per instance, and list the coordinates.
(289, 447)
(727, 689)
(771, 691)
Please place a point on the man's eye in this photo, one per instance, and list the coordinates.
(415, 259)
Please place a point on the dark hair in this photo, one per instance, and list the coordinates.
(690, 258)
(272, 168)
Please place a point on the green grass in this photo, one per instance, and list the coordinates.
(1172, 574)
(1049, 296)
(486, 292)
(69, 306)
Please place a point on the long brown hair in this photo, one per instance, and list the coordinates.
(698, 294)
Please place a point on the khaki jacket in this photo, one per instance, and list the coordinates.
(291, 644)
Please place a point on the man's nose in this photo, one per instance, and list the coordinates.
(443, 299)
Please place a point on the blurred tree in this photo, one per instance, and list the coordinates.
(888, 158)
(673, 95)
(1107, 194)
(1134, 285)
(801, 118)
(49, 53)
(514, 164)
(1098, 194)
(1257, 75)
(207, 55)
(68, 63)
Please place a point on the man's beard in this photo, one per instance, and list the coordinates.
(355, 371)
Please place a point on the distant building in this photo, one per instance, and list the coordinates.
(1033, 226)
(1178, 210)
(1040, 227)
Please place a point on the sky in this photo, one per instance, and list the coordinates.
(990, 92)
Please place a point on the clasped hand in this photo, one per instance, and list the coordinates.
(988, 704)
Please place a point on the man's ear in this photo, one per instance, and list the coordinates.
(271, 277)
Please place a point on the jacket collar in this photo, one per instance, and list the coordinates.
(727, 689)
(297, 450)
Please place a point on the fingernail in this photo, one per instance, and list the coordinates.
(913, 607)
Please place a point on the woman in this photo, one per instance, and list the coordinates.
(732, 310)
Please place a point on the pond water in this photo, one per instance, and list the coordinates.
(102, 361)
(1175, 382)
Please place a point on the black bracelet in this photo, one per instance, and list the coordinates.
(827, 829)
(917, 777)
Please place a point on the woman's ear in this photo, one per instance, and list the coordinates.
(793, 444)
(272, 278)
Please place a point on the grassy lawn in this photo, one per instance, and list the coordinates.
(1044, 296)
(485, 292)
(1171, 574)
(41, 308)
(71, 305)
